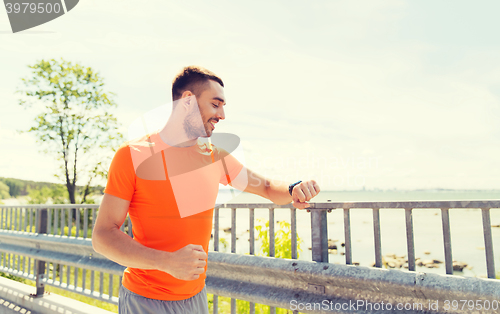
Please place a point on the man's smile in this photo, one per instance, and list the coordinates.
(212, 123)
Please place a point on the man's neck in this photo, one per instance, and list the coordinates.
(174, 135)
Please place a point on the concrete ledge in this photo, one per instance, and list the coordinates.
(15, 298)
(7, 307)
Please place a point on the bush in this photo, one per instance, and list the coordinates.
(56, 195)
(282, 239)
(4, 191)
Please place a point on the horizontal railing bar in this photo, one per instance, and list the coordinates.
(277, 281)
(409, 204)
(57, 249)
(85, 261)
(383, 204)
(50, 206)
(55, 243)
(321, 205)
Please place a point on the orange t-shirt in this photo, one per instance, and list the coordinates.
(172, 193)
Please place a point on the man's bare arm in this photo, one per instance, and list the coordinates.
(186, 263)
(276, 191)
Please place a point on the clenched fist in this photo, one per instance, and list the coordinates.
(187, 263)
(304, 192)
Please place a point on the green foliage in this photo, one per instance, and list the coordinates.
(39, 196)
(4, 191)
(57, 195)
(75, 122)
(282, 239)
(73, 231)
(16, 187)
(224, 243)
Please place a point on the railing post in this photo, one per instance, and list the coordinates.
(347, 236)
(272, 248)
(41, 228)
(377, 237)
(448, 260)
(319, 235)
(488, 243)
(233, 230)
(293, 223)
(410, 243)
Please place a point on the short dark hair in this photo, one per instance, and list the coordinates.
(194, 79)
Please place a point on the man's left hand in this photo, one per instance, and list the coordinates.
(304, 192)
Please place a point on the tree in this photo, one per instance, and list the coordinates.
(57, 195)
(75, 124)
(15, 186)
(4, 191)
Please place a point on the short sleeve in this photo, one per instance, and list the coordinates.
(121, 175)
(230, 166)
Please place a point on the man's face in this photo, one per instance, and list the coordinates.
(211, 104)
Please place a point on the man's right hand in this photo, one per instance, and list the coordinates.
(187, 263)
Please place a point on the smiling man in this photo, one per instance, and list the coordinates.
(167, 182)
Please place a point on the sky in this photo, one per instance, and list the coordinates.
(353, 94)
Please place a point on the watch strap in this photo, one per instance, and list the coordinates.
(291, 186)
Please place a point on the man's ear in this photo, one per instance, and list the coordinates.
(186, 99)
(187, 93)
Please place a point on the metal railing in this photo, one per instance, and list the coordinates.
(50, 244)
(35, 245)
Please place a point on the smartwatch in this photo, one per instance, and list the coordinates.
(290, 187)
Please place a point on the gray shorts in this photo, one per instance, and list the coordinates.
(132, 303)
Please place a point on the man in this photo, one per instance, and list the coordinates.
(168, 182)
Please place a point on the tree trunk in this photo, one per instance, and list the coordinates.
(72, 200)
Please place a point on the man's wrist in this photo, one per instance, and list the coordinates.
(291, 186)
(161, 260)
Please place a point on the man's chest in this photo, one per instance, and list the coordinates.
(187, 186)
